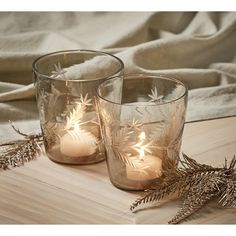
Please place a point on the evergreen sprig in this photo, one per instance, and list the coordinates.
(196, 184)
(18, 152)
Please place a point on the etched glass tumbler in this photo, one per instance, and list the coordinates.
(142, 119)
(66, 84)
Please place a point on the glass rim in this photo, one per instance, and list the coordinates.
(35, 70)
(158, 76)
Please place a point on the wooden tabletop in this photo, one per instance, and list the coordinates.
(43, 192)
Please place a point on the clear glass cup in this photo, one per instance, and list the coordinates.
(66, 84)
(142, 118)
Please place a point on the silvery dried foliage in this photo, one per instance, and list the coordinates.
(196, 184)
(18, 152)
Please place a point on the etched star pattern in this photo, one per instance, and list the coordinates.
(59, 72)
(85, 101)
(154, 96)
(135, 124)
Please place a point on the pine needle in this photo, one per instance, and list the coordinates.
(196, 184)
(16, 153)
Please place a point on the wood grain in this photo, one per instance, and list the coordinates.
(44, 192)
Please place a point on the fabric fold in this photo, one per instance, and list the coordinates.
(197, 48)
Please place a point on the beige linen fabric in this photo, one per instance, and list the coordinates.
(198, 48)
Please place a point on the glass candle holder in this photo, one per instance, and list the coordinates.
(66, 84)
(142, 119)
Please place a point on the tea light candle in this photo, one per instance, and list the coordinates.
(78, 143)
(147, 167)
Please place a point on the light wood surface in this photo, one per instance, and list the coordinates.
(43, 192)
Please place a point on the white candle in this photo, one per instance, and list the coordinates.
(146, 166)
(78, 143)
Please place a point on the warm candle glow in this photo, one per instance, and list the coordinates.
(147, 167)
(76, 127)
(141, 153)
(75, 132)
(77, 142)
(142, 137)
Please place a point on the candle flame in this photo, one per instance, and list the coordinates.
(76, 126)
(142, 137)
(141, 152)
(141, 147)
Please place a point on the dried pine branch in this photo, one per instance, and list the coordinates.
(190, 206)
(228, 194)
(154, 195)
(18, 152)
(198, 196)
(196, 184)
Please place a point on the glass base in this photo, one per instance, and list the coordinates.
(132, 185)
(55, 155)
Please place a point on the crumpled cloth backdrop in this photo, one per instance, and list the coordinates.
(198, 48)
